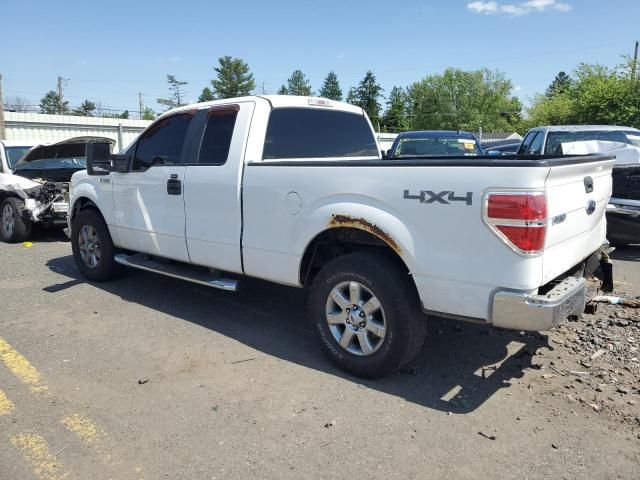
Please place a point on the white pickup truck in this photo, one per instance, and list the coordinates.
(294, 190)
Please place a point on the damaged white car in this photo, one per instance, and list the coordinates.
(37, 191)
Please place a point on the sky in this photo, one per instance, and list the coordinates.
(109, 51)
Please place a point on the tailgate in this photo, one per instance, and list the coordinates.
(577, 197)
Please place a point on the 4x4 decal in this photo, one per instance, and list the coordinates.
(446, 197)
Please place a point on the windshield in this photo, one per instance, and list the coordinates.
(556, 139)
(55, 157)
(436, 146)
(14, 154)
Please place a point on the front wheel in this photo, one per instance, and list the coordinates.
(367, 314)
(15, 226)
(93, 250)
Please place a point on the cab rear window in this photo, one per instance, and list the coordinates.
(312, 133)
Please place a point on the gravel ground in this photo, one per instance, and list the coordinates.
(149, 377)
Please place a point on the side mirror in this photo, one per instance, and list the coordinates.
(100, 160)
(383, 153)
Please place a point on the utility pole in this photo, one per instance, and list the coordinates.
(635, 64)
(60, 102)
(2, 130)
(59, 95)
(140, 105)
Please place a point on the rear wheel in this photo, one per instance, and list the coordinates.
(93, 249)
(367, 314)
(15, 226)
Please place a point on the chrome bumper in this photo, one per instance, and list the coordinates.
(521, 311)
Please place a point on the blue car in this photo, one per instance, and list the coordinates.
(434, 143)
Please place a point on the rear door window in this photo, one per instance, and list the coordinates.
(216, 140)
(310, 133)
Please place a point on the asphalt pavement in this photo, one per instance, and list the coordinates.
(150, 377)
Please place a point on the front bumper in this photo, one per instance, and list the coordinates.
(521, 311)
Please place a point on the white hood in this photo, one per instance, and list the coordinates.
(9, 180)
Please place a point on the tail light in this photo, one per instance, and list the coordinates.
(518, 218)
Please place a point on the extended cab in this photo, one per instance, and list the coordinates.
(294, 190)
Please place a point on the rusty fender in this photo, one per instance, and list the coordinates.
(346, 221)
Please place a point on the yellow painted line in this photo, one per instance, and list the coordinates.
(82, 427)
(6, 405)
(17, 364)
(36, 452)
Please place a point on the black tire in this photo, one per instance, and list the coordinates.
(20, 227)
(406, 325)
(105, 267)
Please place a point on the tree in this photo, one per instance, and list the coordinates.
(17, 104)
(51, 104)
(297, 84)
(283, 90)
(176, 88)
(331, 87)
(352, 96)
(367, 96)
(86, 109)
(596, 95)
(206, 95)
(556, 110)
(123, 115)
(560, 84)
(148, 114)
(395, 118)
(233, 78)
(464, 100)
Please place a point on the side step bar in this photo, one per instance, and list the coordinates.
(177, 270)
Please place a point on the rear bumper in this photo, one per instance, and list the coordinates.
(623, 221)
(521, 311)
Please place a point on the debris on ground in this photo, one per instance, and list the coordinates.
(635, 303)
(596, 359)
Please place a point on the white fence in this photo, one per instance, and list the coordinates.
(386, 140)
(37, 128)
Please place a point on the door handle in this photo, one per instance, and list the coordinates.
(174, 186)
(588, 184)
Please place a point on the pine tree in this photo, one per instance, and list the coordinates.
(51, 104)
(206, 95)
(283, 90)
(176, 87)
(86, 109)
(331, 87)
(561, 84)
(352, 96)
(233, 78)
(395, 118)
(297, 84)
(368, 95)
